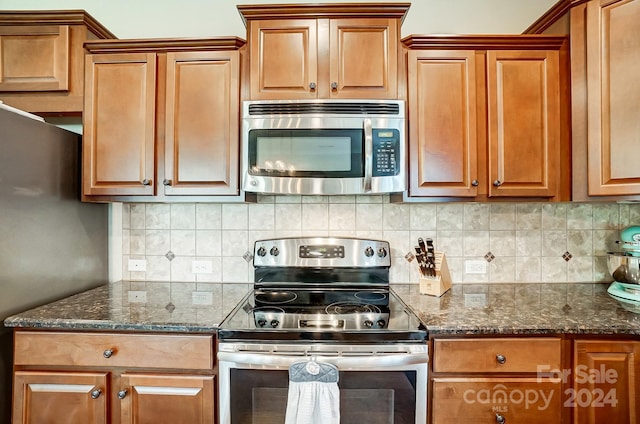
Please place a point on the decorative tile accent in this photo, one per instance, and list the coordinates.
(567, 256)
(170, 255)
(489, 256)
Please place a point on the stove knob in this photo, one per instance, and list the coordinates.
(381, 323)
(382, 252)
(261, 251)
(274, 251)
(368, 252)
(262, 322)
(275, 323)
(368, 323)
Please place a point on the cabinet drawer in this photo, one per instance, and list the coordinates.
(481, 400)
(497, 355)
(114, 350)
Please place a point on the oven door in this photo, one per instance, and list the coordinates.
(378, 384)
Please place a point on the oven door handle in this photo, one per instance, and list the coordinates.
(371, 361)
(368, 155)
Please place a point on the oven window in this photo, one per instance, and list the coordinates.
(327, 153)
(380, 397)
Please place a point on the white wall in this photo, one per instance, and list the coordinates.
(204, 18)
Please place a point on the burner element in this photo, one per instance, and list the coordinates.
(342, 308)
(370, 296)
(275, 297)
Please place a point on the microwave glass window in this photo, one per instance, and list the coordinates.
(292, 154)
(310, 153)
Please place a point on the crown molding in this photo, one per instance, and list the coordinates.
(55, 17)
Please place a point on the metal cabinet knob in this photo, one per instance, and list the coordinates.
(166, 182)
(145, 182)
(497, 183)
(312, 86)
(95, 393)
(122, 394)
(334, 85)
(501, 358)
(500, 419)
(108, 353)
(475, 183)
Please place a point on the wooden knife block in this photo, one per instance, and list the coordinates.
(438, 285)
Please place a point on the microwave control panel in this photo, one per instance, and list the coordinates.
(386, 152)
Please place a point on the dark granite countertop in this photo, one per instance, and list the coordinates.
(572, 308)
(546, 308)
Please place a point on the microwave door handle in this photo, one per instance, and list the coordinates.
(368, 155)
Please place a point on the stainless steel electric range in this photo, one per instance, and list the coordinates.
(326, 299)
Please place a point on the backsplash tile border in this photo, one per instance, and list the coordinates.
(527, 240)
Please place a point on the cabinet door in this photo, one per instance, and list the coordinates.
(606, 378)
(523, 122)
(283, 59)
(34, 58)
(484, 400)
(613, 87)
(119, 124)
(442, 115)
(363, 58)
(201, 134)
(60, 397)
(151, 399)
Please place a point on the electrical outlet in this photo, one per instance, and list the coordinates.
(201, 267)
(475, 267)
(137, 296)
(137, 265)
(475, 300)
(201, 298)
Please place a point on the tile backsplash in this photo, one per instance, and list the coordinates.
(520, 242)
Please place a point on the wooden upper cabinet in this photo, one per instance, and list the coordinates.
(201, 123)
(34, 58)
(612, 49)
(486, 117)
(42, 59)
(162, 119)
(119, 124)
(443, 114)
(331, 55)
(523, 97)
(284, 59)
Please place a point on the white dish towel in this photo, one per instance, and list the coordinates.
(313, 397)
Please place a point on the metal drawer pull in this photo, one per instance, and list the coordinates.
(122, 394)
(95, 393)
(145, 182)
(501, 358)
(497, 183)
(475, 183)
(334, 85)
(108, 353)
(166, 182)
(500, 419)
(312, 86)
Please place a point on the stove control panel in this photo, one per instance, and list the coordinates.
(321, 252)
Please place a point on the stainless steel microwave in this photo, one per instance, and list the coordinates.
(324, 147)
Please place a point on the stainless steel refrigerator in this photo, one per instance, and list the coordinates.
(51, 244)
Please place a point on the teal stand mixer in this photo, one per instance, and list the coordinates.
(624, 267)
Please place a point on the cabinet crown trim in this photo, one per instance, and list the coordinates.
(484, 42)
(317, 11)
(164, 45)
(55, 17)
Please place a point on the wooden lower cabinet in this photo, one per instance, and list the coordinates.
(606, 377)
(497, 400)
(60, 397)
(497, 380)
(113, 378)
